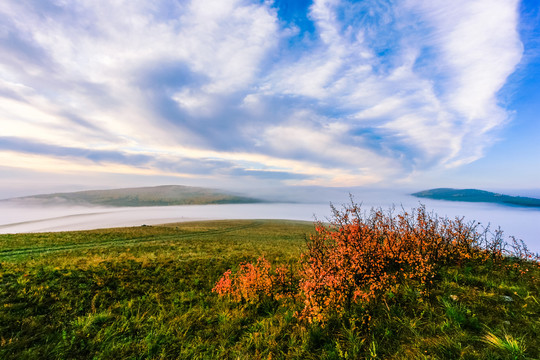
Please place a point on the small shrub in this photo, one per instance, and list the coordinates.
(358, 257)
(254, 281)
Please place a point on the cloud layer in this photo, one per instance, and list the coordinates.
(324, 93)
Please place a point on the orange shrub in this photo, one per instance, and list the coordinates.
(360, 256)
(256, 280)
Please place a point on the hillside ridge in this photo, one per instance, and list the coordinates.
(475, 195)
(163, 195)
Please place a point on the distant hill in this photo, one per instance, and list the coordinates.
(474, 195)
(143, 196)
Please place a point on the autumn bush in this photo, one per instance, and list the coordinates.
(254, 281)
(359, 256)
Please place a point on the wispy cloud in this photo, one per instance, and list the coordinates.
(343, 93)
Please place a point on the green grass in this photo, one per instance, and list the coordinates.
(145, 293)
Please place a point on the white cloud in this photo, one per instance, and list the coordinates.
(442, 116)
(227, 40)
(477, 48)
(374, 93)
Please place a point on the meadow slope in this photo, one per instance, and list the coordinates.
(145, 293)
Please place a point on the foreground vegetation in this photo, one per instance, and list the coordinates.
(146, 293)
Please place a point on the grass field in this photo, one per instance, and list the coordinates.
(145, 293)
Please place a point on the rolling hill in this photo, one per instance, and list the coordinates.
(142, 196)
(474, 195)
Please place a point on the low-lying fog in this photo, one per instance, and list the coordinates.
(523, 223)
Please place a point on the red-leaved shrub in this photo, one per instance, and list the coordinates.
(254, 281)
(359, 256)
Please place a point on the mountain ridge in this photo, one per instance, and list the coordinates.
(475, 195)
(163, 195)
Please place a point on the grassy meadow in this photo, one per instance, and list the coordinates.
(146, 293)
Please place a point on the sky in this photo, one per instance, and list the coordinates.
(246, 94)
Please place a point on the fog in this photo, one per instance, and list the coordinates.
(523, 223)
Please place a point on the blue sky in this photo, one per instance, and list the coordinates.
(245, 94)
